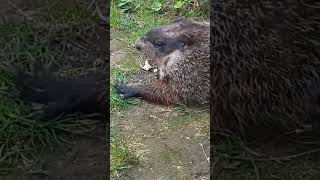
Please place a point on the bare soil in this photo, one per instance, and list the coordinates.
(169, 146)
(79, 158)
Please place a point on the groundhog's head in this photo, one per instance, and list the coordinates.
(162, 41)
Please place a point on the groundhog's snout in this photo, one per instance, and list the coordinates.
(139, 44)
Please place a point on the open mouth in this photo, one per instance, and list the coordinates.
(144, 63)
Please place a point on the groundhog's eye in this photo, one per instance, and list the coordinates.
(159, 43)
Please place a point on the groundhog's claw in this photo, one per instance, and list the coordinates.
(126, 91)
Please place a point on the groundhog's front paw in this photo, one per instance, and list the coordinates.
(126, 91)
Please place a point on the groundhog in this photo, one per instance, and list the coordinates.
(56, 96)
(265, 56)
(180, 51)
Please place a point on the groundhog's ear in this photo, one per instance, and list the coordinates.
(185, 39)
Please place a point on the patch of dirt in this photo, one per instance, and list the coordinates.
(116, 48)
(170, 144)
(79, 158)
(84, 158)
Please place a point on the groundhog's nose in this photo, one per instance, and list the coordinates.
(138, 45)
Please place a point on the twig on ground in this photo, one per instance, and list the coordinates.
(42, 172)
(256, 170)
(97, 11)
(208, 158)
(100, 15)
(274, 158)
(20, 11)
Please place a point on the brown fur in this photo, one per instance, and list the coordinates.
(182, 63)
(265, 55)
(160, 92)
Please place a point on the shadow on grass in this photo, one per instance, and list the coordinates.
(53, 38)
(277, 158)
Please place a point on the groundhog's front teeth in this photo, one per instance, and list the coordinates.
(146, 66)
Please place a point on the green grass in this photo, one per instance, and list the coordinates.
(141, 17)
(116, 103)
(121, 155)
(23, 44)
(20, 134)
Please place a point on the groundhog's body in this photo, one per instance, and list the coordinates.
(181, 52)
(265, 56)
